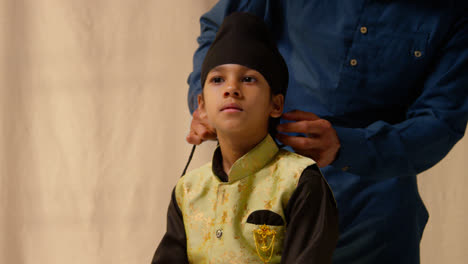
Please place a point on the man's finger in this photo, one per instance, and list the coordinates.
(306, 127)
(313, 154)
(300, 143)
(193, 138)
(203, 132)
(298, 115)
(200, 130)
(196, 114)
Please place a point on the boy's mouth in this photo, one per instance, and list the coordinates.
(232, 107)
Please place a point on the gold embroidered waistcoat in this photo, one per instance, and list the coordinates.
(215, 213)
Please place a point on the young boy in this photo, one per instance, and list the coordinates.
(254, 203)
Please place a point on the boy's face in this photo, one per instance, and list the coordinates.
(237, 99)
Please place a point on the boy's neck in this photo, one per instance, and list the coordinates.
(233, 148)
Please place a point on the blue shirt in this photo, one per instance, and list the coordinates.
(392, 78)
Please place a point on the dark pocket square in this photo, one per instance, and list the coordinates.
(265, 217)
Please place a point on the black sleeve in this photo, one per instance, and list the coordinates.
(312, 221)
(173, 247)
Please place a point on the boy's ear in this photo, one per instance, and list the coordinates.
(201, 105)
(278, 104)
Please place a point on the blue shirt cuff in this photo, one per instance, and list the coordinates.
(352, 155)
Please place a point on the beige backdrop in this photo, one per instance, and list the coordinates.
(93, 117)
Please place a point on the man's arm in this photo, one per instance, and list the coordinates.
(173, 246)
(434, 122)
(312, 221)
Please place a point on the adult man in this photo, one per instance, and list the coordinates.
(382, 92)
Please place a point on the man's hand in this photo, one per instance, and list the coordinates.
(200, 129)
(321, 144)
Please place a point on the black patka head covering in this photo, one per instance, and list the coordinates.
(244, 39)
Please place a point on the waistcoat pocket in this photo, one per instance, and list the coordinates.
(265, 241)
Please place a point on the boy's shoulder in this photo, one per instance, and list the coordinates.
(288, 158)
(199, 174)
(200, 170)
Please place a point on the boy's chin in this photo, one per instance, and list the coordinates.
(232, 128)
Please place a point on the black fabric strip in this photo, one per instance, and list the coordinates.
(189, 160)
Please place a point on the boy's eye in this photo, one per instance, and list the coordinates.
(249, 79)
(216, 79)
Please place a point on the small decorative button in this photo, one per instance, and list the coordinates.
(417, 53)
(363, 30)
(219, 233)
(353, 62)
(345, 168)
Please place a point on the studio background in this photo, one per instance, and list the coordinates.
(93, 119)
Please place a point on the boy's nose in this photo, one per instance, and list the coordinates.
(231, 93)
(232, 90)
